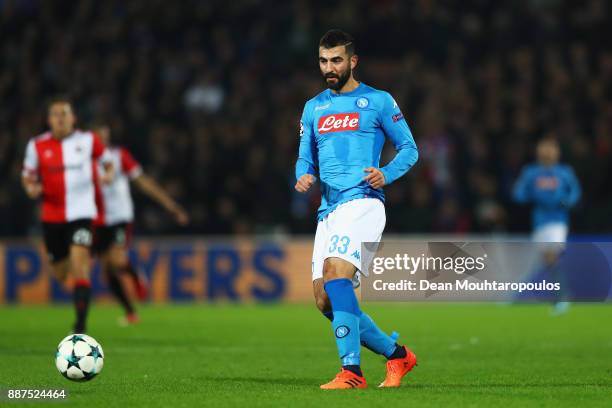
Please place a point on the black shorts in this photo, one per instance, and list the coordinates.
(108, 235)
(59, 237)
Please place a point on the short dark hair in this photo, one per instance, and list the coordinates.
(60, 99)
(336, 37)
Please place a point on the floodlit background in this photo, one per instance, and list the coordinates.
(207, 95)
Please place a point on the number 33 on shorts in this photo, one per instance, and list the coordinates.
(339, 244)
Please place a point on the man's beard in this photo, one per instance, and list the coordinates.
(341, 80)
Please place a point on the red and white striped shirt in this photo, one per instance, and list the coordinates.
(67, 171)
(117, 205)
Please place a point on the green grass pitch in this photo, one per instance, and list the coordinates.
(470, 355)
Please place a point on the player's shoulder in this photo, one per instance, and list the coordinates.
(83, 134)
(116, 150)
(565, 168)
(320, 98)
(378, 97)
(122, 150)
(41, 137)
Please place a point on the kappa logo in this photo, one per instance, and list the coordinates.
(301, 129)
(338, 122)
(342, 331)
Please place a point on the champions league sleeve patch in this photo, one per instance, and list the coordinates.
(397, 117)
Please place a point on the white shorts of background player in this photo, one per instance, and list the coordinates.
(551, 236)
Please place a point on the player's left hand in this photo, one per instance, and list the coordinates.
(376, 178)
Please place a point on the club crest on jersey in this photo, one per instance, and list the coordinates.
(338, 122)
(362, 103)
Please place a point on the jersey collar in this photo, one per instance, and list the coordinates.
(353, 92)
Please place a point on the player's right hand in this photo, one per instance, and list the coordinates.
(181, 217)
(32, 187)
(304, 183)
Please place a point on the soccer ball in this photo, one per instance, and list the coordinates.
(79, 357)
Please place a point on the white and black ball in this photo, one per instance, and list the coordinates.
(79, 357)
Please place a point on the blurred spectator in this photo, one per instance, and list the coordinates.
(208, 94)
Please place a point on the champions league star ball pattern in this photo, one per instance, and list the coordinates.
(79, 357)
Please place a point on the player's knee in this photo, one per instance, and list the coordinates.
(330, 271)
(107, 267)
(337, 269)
(60, 270)
(80, 262)
(117, 260)
(550, 258)
(59, 274)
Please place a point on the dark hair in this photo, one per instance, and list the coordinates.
(335, 37)
(60, 99)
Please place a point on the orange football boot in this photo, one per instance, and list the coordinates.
(345, 380)
(397, 368)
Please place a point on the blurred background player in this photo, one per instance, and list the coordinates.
(113, 227)
(342, 133)
(552, 189)
(60, 166)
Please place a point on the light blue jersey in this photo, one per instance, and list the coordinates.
(342, 134)
(552, 190)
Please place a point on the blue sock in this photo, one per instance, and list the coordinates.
(375, 339)
(346, 320)
(371, 336)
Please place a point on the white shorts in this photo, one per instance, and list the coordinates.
(551, 236)
(341, 233)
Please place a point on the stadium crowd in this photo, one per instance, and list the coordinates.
(208, 95)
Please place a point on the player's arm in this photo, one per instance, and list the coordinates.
(100, 153)
(151, 188)
(573, 193)
(29, 175)
(396, 129)
(521, 193)
(307, 163)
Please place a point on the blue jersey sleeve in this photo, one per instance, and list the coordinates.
(396, 129)
(523, 187)
(307, 162)
(573, 192)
